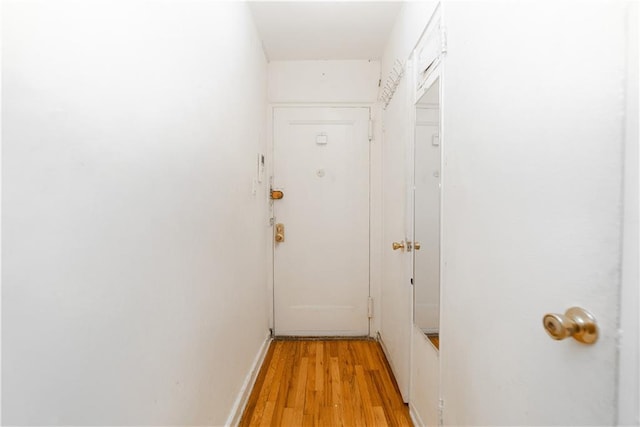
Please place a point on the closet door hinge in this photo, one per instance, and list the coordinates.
(370, 130)
(370, 307)
(443, 39)
(441, 412)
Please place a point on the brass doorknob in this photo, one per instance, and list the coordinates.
(396, 245)
(576, 322)
(417, 246)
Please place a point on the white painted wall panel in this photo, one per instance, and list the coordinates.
(324, 81)
(133, 248)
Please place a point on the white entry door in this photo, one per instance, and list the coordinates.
(321, 269)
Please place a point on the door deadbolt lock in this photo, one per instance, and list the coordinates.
(276, 194)
(279, 233)
(413, 246)
(576, 322)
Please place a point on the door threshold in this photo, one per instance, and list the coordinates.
(322, 338)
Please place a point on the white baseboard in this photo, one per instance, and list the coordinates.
(415, 417)
(386, 352)
(243, 396)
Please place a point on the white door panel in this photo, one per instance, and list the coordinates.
(321, 270)
(396, 291)
(532, 179)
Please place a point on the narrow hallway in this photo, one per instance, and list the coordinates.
(325, 382)
(433, 204)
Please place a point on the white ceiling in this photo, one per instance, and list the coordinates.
(298, 30)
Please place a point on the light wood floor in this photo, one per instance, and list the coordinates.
(325, 383)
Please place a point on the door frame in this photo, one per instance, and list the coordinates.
(629, 340)
(375, 205)
(416, 92)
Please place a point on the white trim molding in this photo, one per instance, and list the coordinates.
(415, 417)
(245, 391)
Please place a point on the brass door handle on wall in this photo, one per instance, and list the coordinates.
(396, 245)
(279, 233)
(576, 322)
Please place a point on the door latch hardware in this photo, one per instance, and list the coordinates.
(276, 194)
(279, 233)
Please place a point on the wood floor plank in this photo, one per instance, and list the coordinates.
(379, 416)
(302, 383)
(363, 388)
(294, 370)
(325, 383)
(328, 385)
(287, 416)
(336, 390)
(319, 366)
(267, 414)
(284, 384)
(264, 375)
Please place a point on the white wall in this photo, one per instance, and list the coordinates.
(324, 81)
(133, 247)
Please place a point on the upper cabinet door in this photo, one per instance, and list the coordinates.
(428, 53)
